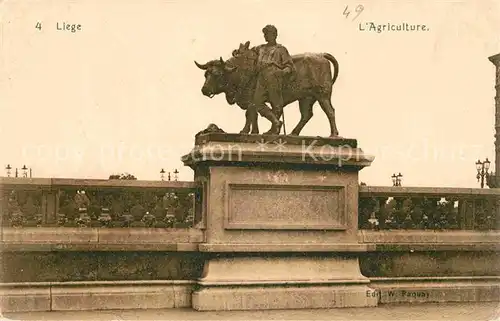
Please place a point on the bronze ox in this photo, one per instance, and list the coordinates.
(311, 83)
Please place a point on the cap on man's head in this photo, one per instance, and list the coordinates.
(270, 28)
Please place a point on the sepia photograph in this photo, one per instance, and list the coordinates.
(249, 160)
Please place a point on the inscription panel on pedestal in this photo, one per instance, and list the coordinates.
(285, 207)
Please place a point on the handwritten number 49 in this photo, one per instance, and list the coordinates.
(359, 8)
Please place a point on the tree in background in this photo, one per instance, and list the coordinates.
(125, 176)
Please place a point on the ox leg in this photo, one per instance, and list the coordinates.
(306, 112)
(248, 121)
(254, 119)
(251, 120)
(327, 107)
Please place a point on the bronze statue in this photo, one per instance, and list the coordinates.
(265, 74)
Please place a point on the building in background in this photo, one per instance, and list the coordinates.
(494, 179)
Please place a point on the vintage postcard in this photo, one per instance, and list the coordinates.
(248, 159)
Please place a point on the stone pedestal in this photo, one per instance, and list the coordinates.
(280, 222)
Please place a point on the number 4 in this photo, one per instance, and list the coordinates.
(38, 25)
(346, 13)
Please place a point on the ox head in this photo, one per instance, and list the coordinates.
(216, 76)
(241, 50)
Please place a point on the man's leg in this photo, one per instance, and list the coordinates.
(260, 106)
(275, 88)
(267, 112)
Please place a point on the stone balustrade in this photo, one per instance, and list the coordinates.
(30, 202)
(428, 208)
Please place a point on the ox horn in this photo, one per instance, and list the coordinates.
(203, 67)
(221, 60)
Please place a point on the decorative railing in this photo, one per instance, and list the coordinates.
(428, 208)
(43, 202)
(30, 202)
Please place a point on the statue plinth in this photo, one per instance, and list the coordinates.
(276, 150)
(280, 219)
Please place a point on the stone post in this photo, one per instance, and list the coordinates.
(50, 206)
(496, 181)
(280, 222)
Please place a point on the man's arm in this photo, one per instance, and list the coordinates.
(286, 60)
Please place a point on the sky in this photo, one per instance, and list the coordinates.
(124, 95)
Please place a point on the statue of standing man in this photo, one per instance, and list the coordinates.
(274, 65)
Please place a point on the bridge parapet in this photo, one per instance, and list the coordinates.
(428, 208)
(51, 202)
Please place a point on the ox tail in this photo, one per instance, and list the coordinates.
(335, 66)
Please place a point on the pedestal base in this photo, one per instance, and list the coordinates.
(282, 282)
(282, 297)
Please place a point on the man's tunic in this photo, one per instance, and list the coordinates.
(271, 61)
